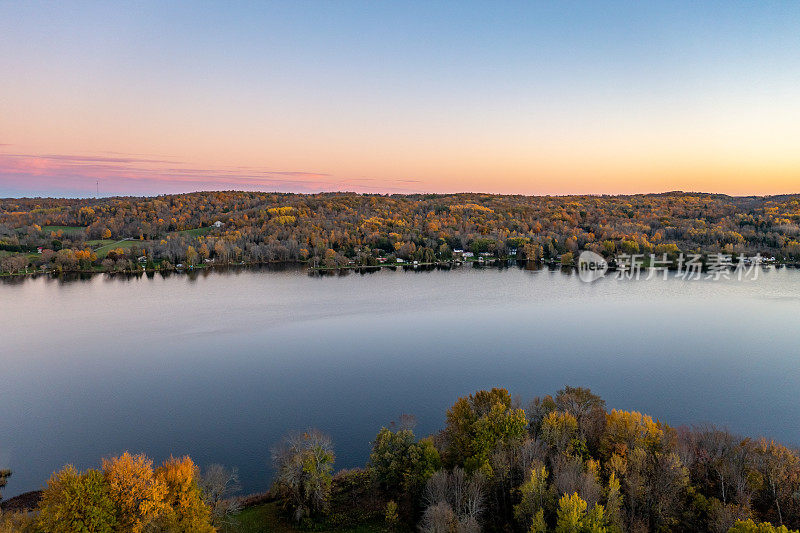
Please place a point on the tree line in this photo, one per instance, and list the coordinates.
(128, 494)
(336, 229)
(562, 463)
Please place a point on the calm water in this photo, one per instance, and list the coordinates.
(220, 366)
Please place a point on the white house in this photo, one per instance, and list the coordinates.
(217, 224)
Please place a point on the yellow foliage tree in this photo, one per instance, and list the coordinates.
(138, 494)
(187, 511)
(574, 518)
(626, 430)
(559, 429)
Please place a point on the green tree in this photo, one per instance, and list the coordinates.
(400, 464)
(76, 502)
(477, 424)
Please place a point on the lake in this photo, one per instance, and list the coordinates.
(221, 364)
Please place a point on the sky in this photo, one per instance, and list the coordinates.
(146, 98)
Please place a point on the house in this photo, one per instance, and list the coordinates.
(381, 259)
(143, 259)
(469, 254)
(39, 250)
(217, 224)
(512, 251)
(398, 260)
(458, 251)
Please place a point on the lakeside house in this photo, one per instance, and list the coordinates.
(217, 224)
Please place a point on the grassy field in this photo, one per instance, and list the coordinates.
(97, 243)
(266, 519)
(103, 250)
(66, 230)
(196, 232)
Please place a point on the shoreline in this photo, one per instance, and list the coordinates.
(438, 265)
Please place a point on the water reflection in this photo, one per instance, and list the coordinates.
(220, 363)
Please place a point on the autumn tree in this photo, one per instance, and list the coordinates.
(559, 430)
(185, 510)
(4, 475)
(478, 424)
(400, 464)
(628, 430)
(780, 470)
(17, 522)
(139, 496)
(303, 465)
(75, 502)
(587, 408)
(748, 526)
(534, 498)
(573, 516)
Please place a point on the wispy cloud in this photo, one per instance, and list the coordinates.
(76, 174)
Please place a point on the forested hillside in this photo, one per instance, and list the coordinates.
(335, 229)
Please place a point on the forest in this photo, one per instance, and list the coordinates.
(334, 230)
(561, 463)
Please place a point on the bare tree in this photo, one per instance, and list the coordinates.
(438, 518)
(455, 495)
(219, 486)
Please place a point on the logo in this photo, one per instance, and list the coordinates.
(591, 266)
